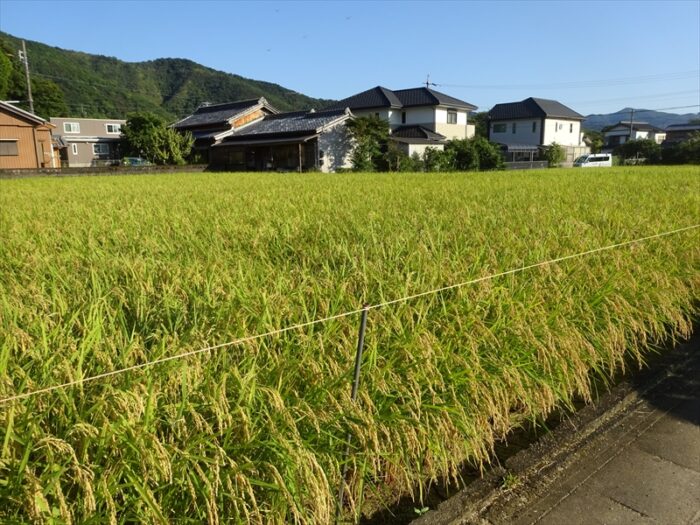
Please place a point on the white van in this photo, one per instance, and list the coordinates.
(594, 160)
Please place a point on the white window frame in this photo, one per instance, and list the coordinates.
(71, 127)
(115, 125)
(100, 146)
(74, 148)
(451, 114)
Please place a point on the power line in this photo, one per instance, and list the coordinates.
(583, 83)
(622, 99)
(247, 339)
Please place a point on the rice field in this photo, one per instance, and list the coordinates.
(103, 273)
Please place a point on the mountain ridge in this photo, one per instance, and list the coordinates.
(660, 119)
(98, 86)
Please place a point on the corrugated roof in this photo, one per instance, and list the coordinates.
(213, 114)
(381, 97)
(533, 108)
(286, 124)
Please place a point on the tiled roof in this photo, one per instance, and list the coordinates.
(381, 97)
(429, 97)
(417, 132)
(533, 108)
(289, 124)
(220, 113)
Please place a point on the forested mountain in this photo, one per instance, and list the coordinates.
(71, 83)
(655, 118)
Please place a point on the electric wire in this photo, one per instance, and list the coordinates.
(298, 326)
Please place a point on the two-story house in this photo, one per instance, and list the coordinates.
(535, 122)
(417, 117)
(624, 131)
(211, 123)
(88, 142)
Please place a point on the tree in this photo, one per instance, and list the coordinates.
(438, 160)
(554, 154)
(594, 138)
(465, 156)
(474, 154)
(145, 134)
(48, 99)
(686, 152)
(370, 136)
(490, 157)
(481, 123)
(646, 149)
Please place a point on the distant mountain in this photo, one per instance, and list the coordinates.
(105, 87)
(655, 118)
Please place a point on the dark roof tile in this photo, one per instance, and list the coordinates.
(213, 114)
(381, 97)
(533, 108)
(294, 123)
(417, 132)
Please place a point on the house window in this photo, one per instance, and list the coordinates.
(74, 148)
(71, 127)
(100, 149)
(113, 129)
(571, 128)
(534, 127)
(403, 117)
(499, 128)
(8, 148)
(452, 117)
(513, 128)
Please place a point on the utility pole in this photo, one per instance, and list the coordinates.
(25, 59)
(631, 122)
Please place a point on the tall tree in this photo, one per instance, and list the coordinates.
(370, 136)
(146, 135)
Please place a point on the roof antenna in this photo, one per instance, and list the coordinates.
(428, 83)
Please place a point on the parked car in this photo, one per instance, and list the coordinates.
(135, 161)
(594, 160)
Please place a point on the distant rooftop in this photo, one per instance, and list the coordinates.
(213, 114)
(533, 108)
(288, 124)
(381, 97)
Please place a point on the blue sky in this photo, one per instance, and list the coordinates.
(596, 57)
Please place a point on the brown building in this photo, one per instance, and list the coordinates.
(25, 140)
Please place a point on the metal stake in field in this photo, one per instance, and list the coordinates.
(355, 386)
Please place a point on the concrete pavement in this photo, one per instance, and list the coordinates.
(633, 458)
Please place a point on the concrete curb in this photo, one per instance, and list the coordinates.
(529, 472)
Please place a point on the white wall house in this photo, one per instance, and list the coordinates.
(418, 117)
(535, 122)
(620, 133)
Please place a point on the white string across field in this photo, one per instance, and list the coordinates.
(247, 339)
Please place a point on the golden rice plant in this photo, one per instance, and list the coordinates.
(99, 274)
